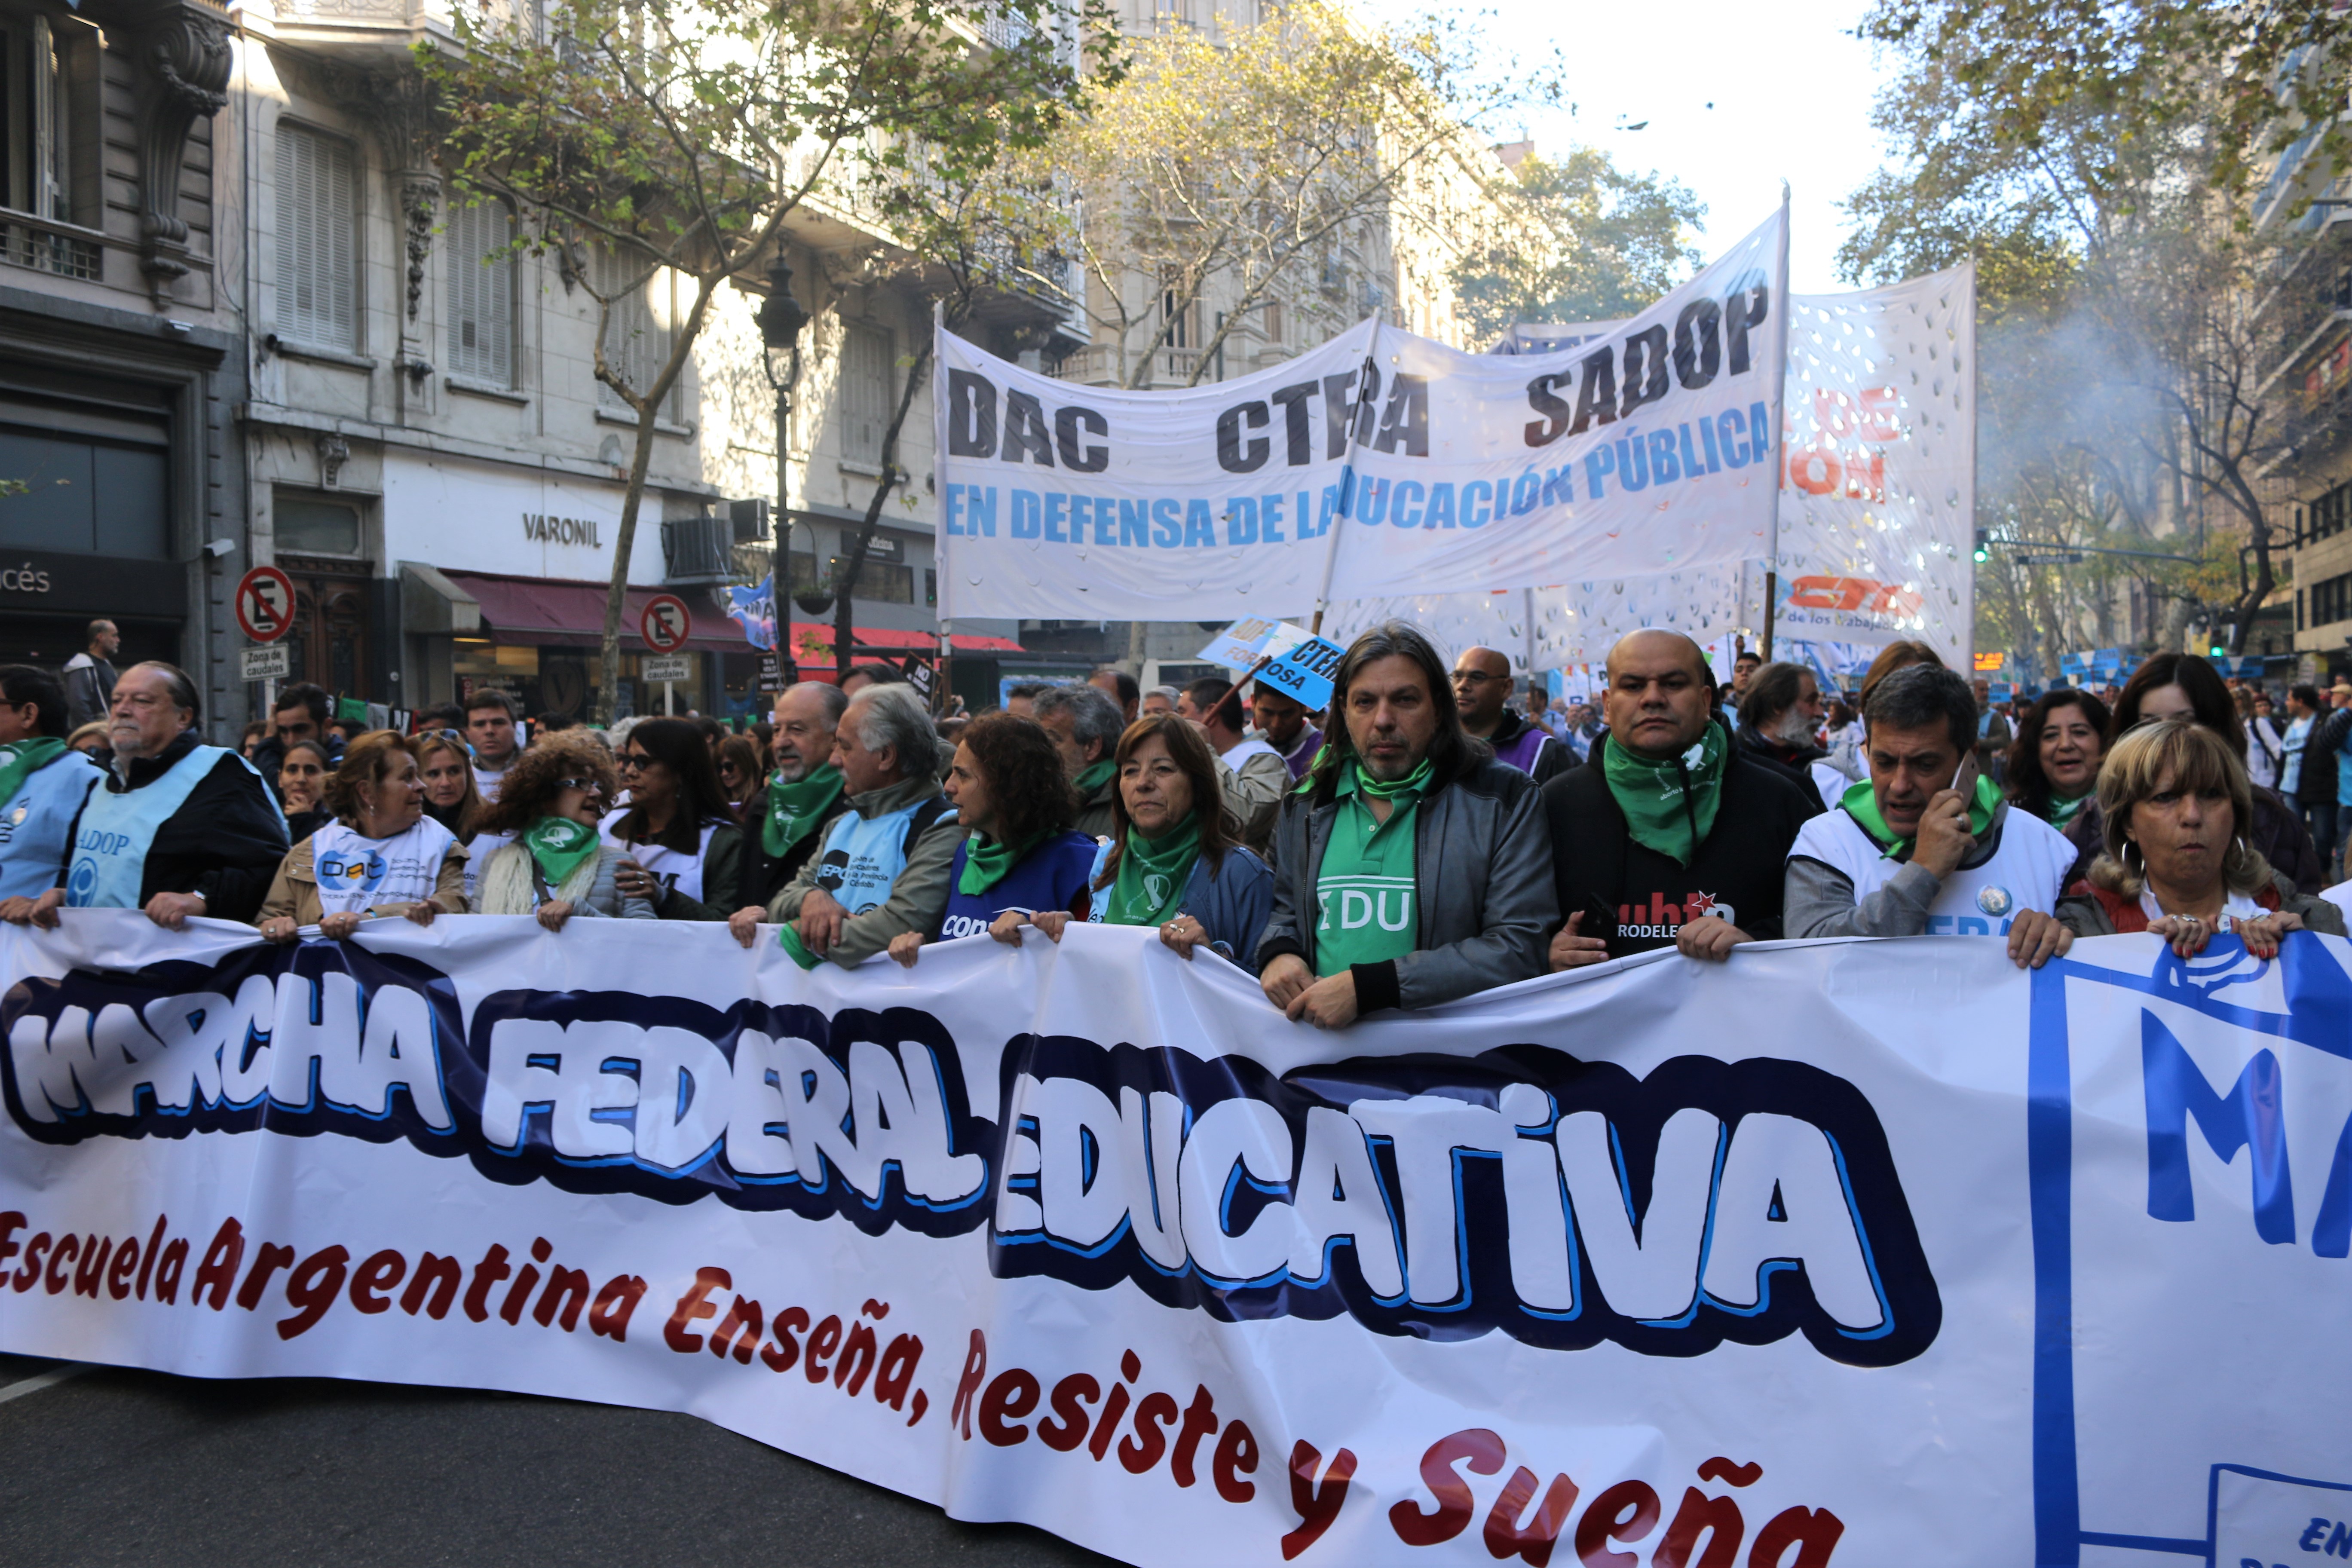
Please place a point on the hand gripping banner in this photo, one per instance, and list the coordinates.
(1853, 1253)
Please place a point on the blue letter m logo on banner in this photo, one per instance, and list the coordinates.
(2251, 1116)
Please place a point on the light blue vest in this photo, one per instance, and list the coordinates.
(863, 856)
(34, 826)
(110, 860)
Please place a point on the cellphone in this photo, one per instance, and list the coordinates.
(1964, 777)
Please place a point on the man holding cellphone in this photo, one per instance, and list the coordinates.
(1927, 845)
(1669, 835)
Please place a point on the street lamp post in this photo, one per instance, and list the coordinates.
(781, 317)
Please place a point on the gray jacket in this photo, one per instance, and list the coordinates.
(1482, 859)
(917, 898)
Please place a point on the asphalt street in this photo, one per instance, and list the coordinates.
(105, 1466)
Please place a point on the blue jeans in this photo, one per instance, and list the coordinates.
(2326, 830)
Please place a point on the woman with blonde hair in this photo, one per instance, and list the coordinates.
(551, 800)
(2175, 862)
(379, 854)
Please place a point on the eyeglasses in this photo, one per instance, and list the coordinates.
(635, 763)
(590, 786)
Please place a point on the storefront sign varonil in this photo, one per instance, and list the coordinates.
(543, 528)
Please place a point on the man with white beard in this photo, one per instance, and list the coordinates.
(1779, 718)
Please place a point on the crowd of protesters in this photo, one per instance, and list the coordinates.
(1420, 840)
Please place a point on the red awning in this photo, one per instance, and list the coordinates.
(820, 633)
(544, 611)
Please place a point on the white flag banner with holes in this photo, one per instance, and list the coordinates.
(1091, 502)
(1852, 1253)
(1877, 492)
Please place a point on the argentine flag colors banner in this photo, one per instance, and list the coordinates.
(1855, 1253)
(1379, 463)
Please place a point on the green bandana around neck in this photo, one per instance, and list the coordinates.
(1861, 805)
(560, 846)
(22, 760)
(987, 862)
(795, 810)
(1093, 776)
(1670, 806)
(1152, 873)
(1413, 783)
(2063, 812)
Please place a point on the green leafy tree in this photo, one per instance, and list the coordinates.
(1617, 242)
(1267, 162)
(635, 137)
(2132, 320)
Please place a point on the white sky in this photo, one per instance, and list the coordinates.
(1791, 89)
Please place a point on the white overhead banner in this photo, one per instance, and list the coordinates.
(1858, 1253)
(1066, 500)
(1877, 496)
(1648, 450)
(1382, 463)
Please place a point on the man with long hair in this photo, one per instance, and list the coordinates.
(1411, 868)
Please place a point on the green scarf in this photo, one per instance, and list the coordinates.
(796, 950)
(1152, 873)
(1670, 806)
(2063, 812)
(795, 810)
(987, 861)
(1369, 874)
(22, 760)
(560, 845)
(1861, 805)
(1092, 777)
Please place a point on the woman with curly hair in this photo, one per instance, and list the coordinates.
(551, 799)
(1021, 858)
(2175, 860)
(378, 855)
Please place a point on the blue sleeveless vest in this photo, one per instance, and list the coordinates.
(36, 824)
(110, 860)
(863, 856)
(1051, 876)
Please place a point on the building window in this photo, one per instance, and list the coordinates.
(2327, 515)
(49, 134)
(481, 293)
(2331, 601)
(636, 324)
(318, 247)
(314, 528)
(868, 380)
(879, 582)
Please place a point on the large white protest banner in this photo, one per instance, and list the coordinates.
(1379, 463)
(1651, 449)
(1860, 1252)
(1058, 499)
(1877, 494)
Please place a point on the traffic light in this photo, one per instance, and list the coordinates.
(1984, 543)
(2218, 651)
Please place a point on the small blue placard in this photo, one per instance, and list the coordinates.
(1305, 673)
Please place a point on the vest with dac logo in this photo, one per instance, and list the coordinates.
(1051, 876)
(2027, 870)
(355, 873)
